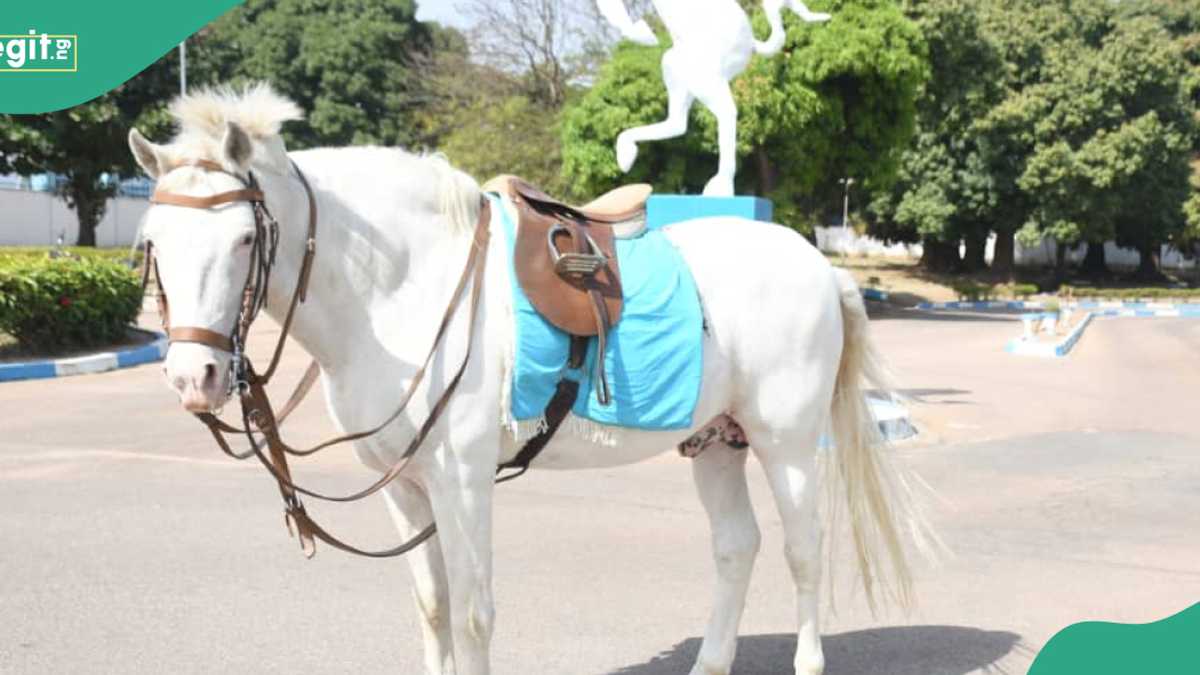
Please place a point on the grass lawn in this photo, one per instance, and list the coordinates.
(908, 283)
(904, 280)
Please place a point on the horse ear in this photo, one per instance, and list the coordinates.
(147, 154)
(237, 146)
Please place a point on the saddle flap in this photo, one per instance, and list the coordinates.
(577, 304)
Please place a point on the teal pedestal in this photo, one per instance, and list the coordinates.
(663, 210)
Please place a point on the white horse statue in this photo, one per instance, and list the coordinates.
(712, 43)
(786, 351)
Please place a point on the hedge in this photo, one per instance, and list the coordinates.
(67, 302)
(123, 255)
(974, 291)
(1134, 294)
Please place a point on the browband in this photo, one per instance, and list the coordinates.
(174, 199)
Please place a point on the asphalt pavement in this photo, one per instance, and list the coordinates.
(1068, 489)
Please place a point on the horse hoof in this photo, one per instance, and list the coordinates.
(627, 152)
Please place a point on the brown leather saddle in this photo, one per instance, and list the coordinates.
(566, 260)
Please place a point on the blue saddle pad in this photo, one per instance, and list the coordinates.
(653, 359)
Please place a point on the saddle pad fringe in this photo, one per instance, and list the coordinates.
(593, 432)
(523, 430)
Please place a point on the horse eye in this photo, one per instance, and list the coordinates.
(246, 240)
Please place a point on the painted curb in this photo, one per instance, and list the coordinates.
(1147, 308)
(894, 420)
(874, 294)
(85, 365)
(1130, 310)
(989, 304)
(1050, 349)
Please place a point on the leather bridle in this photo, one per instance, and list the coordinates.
(260, 423)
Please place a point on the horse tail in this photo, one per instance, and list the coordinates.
(877, 499)
(775, 41)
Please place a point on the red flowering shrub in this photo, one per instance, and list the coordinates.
(67, 302)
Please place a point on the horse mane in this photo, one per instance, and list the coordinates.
(459, 194)
(201, 118)
(257, 108)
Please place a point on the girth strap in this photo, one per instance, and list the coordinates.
(556, 412)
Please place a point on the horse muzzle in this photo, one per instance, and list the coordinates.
(199, 375)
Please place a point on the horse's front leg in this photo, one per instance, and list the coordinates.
(461, 495)
(411, 511)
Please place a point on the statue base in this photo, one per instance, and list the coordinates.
(663, 210)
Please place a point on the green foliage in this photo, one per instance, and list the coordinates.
(839, 101)
(1131, 294)
(508, 135)
(944, 191)
(974, 291)
(349, 64)
(116, 255)
(1023, 290)
(969, 290)
(67, 303)
(1111, 129)
(88, 140)
(1072, 119)
(629, 92)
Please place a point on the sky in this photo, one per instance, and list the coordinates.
(442, 11)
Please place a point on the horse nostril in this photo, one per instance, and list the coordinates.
(210, 375)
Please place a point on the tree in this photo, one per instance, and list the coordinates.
(945, 192)
(351, 65)
(839, 101)
(549, 45)
(1111, 127)
(496, 91)
(1181, 18)
(508, 135)
(86, 144)
(1051, 119)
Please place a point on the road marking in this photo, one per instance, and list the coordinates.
(52, 455)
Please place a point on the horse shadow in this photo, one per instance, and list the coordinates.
(906, 650)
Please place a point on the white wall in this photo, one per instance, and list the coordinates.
(39, 218)
(842, 241)
(1114, 255)
(846, 241)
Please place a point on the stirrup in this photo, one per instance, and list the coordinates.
(575, 264)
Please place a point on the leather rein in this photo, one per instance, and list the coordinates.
(260, 423)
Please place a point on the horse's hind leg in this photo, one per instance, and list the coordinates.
(790, 466)
(411, 511)
(679, 102)
(720, 475)
(715, 94)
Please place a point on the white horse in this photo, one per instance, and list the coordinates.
(786, 347)
(712, 43)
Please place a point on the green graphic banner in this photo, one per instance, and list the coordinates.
(58, 54)
(1167, 647)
